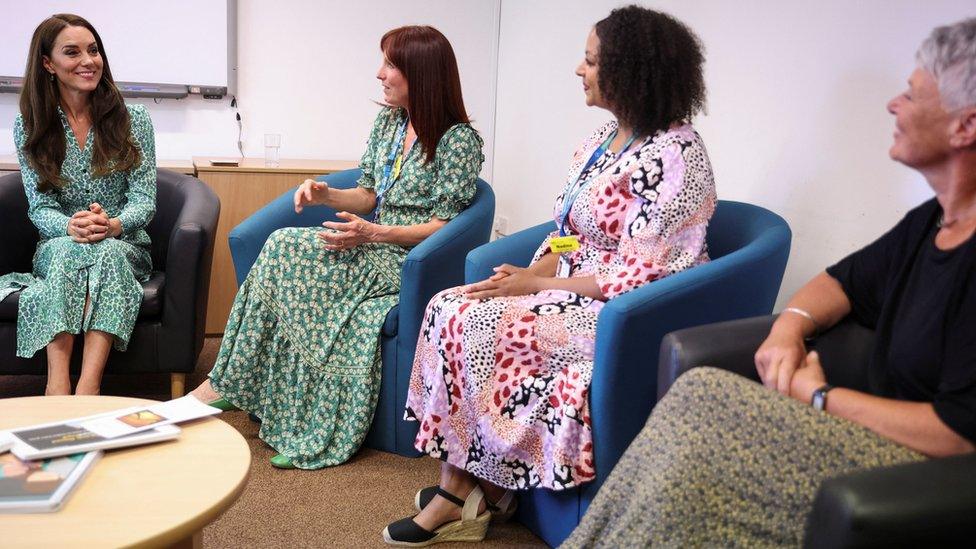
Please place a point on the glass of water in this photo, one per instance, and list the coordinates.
(272, 143)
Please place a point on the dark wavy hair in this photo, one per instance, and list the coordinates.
(426, 59)
(113, 148)
(651, 68)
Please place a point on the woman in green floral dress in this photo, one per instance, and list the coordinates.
(89, 169)
(301, 346)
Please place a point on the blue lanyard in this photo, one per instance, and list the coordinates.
(570, 197)
(388, 179)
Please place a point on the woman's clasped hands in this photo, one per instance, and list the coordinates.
(785, 366)
(92, 225)
(508, 280)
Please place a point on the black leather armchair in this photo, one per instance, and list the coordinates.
(923, 504)
(169, 332)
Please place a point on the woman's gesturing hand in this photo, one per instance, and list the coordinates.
(778, 359)
(352, 233)
(309, 193)
(508, 280)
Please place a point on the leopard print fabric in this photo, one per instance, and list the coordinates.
(500, 386)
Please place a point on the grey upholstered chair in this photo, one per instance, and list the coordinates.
(169, 332)
(927, 504)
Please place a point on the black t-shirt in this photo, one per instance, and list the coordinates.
(921, 302)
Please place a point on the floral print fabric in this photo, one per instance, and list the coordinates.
(65, 272)
(500, 385)
(301, 347)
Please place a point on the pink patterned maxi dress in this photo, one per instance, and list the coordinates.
(500, 385)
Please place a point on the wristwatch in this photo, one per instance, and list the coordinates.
(819, 399)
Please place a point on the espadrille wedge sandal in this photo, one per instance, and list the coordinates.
(501, 511)
(471, 527)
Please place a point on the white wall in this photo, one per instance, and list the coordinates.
(796, 110)
(796, 118)
(306, 70)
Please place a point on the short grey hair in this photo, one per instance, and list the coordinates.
(949, 53)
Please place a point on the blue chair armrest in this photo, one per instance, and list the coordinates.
(631, 326)
(515, 249)
(247, 239)
(432, 266)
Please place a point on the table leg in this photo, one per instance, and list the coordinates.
(177, 385)
(193, 542)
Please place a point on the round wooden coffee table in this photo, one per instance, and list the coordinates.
(156, 495)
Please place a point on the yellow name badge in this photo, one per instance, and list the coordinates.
(562, 244)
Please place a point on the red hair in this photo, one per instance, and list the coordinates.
(427, 61)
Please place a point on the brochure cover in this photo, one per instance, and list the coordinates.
(142, 418)
(40, 486)
(66, 438)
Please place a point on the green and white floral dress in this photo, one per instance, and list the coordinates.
(301, 347)
(65, 272)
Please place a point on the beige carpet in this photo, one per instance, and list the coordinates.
(344, 506)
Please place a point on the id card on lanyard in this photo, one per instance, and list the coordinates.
(393, 166)
(566, 242)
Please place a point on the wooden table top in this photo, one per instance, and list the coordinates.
(9, 163)
(152, 496)
(286, 165)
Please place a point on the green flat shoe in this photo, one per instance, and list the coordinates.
(224, 405)
(281, 461)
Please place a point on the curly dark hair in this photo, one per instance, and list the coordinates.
(651, 68)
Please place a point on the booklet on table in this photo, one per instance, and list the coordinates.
(40, 486)
(125, 427)
(143, 418)
(64, 438)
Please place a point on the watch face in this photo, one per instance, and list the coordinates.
(819, 399)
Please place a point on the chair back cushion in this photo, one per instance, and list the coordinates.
(19, 234)
(170, 197)
(737, 224)
(845, 352)
(21, 237)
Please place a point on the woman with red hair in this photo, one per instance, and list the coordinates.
(301, 347)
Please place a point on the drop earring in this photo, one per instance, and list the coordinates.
(52, 77)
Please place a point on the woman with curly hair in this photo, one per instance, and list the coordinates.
(724, 461)
(88, 163)
(501, 375)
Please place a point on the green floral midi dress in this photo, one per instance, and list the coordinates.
(301, 347)
(64, 271)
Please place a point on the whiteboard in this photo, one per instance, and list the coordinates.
(180, 42)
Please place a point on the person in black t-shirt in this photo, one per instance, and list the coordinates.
(724, 461)
(915, 286)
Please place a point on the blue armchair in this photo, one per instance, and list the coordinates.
(749, 247)
(433, 265)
